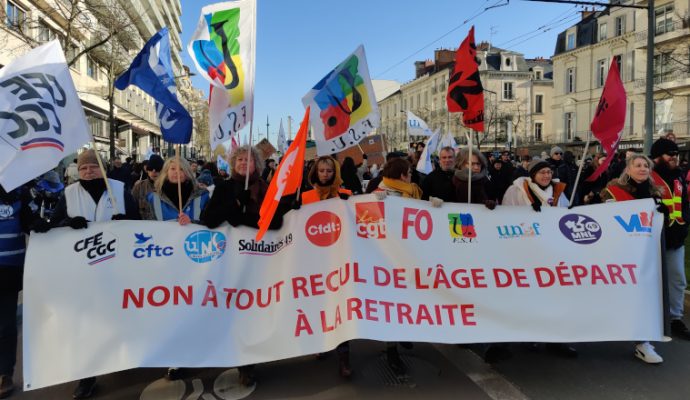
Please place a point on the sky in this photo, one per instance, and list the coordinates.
(299, 41)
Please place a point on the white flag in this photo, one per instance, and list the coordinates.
(424, 163)
(448, 141)
(416, 126)
(223, 50)
(41, 118)
(282, 140)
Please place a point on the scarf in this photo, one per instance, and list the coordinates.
(95, 187)
(545, 195)
(410, 190)
(329, 189)
(640, 190)
(461, 174)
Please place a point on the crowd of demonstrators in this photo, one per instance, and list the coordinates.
(211, 197)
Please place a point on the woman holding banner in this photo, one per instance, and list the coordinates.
(636, 183)
(325, 179)
(479, 176)
(164, 201)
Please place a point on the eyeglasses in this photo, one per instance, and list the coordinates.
(672, 153)
(557, 154)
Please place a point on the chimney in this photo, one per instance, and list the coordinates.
(587, 12)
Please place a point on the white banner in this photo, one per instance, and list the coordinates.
(41, 117)
(416, 126)
(223, 48)
(129, 294)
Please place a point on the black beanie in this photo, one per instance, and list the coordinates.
(155, 163)
(535, 165)
(662, 146)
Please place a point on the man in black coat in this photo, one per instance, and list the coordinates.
(439, 183)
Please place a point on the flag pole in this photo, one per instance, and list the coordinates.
(579, 170)
(469, 171)
(179, 181)
(249, 160)
(105, 175)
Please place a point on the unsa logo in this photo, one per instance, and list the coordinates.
(580, 228)
(640, 223)
(97, 248)
(323, 228)
(371, 221)
(205, 246)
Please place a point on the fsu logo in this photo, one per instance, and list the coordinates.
(461, 227)
(370, 218)
(323, 228)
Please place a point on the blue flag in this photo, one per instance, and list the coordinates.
(151, 71)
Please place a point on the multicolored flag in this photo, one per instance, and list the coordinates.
(152, 72)
(416, 126)
(223, 50)
(42, 120)
(287, 178)
(465, 91)
(609, 119)
(344, 105)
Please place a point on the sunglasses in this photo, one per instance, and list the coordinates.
(557, 154)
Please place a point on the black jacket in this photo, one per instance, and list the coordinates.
(439, 183)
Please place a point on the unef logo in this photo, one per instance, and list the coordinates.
(371, 221)
(420, 220)
(97, 248)
(205, 246)
(580, 228)
(637, 223)
(522, 230)
(461, 227)
(145, 248)
(323, 228)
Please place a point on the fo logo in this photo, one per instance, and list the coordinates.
(97, 248)
(370, 218)
(637, 223)
(205, 246)
(461, 227)
(580, 228)
(323, 228)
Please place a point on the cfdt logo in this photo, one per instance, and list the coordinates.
(637, 223)
(145, 248)
(323, 228)
(371, 221)
(204, 246)
(264, 248)
(461, 227)
(515, 231)
(580, 228)
(97, 248)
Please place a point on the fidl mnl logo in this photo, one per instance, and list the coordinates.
(461, 228)
(637, 223)
(145, 248)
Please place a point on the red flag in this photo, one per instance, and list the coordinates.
(465, 91)
(608, 122)
(287, 178)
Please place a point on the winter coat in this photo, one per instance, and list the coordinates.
(140, 192)
(439, 183)
(15, 220)
(164, 209)
(517, 195)
(480, 182)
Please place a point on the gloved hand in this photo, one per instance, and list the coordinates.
(78, 223)
(344, 196)
(662, 208)
(435, 201)
(536, 206)
(490, 204)
(381, 195)
(119, 217)
(40, 226)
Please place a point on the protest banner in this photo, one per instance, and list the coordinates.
(129, 294)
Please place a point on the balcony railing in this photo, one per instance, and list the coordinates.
(667, 27)
(676, 76)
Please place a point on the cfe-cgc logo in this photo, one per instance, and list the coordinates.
(370, 219)
(97, 248)
(461, 227)
(204, 246)
(637, 224)
(145, 248)
(516, 231)
(580, 228)
(323, 228)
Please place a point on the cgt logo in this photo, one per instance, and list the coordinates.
(146, 249)
(461, 227)
(637, 223)
(204, 246)
(97, 248)
(580, 228)
(515, 231)
(323, 228)
(370, 219)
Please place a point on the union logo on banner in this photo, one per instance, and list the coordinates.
(461, 227)
(371, 220)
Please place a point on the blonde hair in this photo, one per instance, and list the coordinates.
(256, 158)
(624, 179)
(163, 176)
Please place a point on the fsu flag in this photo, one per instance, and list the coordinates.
(609, 118)
(287, 178)
(465, 91)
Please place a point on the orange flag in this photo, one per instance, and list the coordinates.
(287, 179)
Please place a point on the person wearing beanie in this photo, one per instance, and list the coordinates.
(669, 177)
(144, 187)
(88, 200)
